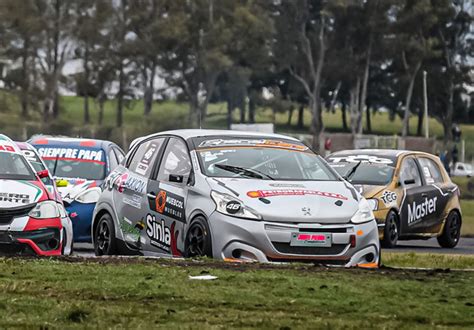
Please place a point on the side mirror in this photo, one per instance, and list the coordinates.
(43, 174)
(176, 178)
(409, 181)
(61, 183)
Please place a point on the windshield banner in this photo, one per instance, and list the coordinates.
(72, 154)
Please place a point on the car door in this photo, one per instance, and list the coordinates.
(167, 194)
(438, 194)
(411, 215)
(130, 193)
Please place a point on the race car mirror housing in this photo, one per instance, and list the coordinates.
(61, 183)
(43, 174)
(364, 213)
(233, 207)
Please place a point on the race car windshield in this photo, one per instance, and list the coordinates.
(15, 167)
(262, 159)
(65, 168)
(365, 173)
(83, 163)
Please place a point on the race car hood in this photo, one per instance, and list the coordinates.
(75, 187)
(286, 201)
(368, 190)
(16, 193)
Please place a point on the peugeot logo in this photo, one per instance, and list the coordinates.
(306, 211)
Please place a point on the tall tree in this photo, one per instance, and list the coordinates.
(55, 32)
(20, 23)
(300, 46)
(92, 22)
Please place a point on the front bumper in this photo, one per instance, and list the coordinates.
(267, 241)
(43, 242)
(81, 218)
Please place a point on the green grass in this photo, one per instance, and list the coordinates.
(144, 294)
(466, 185)
(427, 260)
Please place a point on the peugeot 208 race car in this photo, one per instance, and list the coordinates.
(232, 195)
(32, 218)
(80, 166)
(410, 193)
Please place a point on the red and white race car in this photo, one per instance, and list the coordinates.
(33, 219)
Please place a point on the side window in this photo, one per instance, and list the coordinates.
(430, 171)
(144, 158)
(175, 161)
(409, 174)
(112, 160)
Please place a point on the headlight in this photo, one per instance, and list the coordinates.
(229, 205)
(89, 196)
(45, 210)
(364, 213)
(373, 203)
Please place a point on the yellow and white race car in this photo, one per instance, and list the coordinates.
(410, 192)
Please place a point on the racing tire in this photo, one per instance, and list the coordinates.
(104, 237)
(198, 239)
(391, 231)
(449, 238)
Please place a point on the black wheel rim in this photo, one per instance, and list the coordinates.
(453, 229)
(103, 237)
(392, 229)
(196, 240)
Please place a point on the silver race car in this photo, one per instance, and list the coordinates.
(233, 196)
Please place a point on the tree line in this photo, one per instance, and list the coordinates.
(357, 55)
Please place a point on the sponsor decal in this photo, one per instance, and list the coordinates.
(233, 207)
(129, 231)
(416, 211)
(72, 153)
(15, 198)
(388, 197)
(7, 148)
(126, 181)
(293, 192)
(134, 201)
(170, 205)
(361, 158)
(287, 185)
(252, 142)
(159, 234)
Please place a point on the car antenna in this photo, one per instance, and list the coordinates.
(55, 165)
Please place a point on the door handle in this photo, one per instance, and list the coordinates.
(424, 195)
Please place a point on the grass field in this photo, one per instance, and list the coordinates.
(467, 207)
(145, 294)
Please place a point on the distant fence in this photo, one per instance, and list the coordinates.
(343, 141)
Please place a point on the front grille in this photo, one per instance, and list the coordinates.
(286, 248)
(7, 215)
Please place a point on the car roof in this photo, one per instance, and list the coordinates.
(69, 142)
(393, 153)
(24, 145)
(10, 143)
(195, 133)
